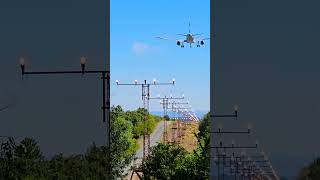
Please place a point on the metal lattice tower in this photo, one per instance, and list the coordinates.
(165, 101)
(146, 136)
(145, 94)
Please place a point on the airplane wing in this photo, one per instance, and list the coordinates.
(164, 38)
(203, 39)
(197, 34)
(182, 34)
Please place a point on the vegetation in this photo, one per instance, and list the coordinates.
(25, 160)
(168, 161)
(310, 172)
(137, 120)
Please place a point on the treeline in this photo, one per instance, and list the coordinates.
(311, 171)
(26, 161)
(168, 161)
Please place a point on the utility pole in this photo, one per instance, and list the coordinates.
(165, 102)
(145, 87)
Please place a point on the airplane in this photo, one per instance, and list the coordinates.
(189, 38)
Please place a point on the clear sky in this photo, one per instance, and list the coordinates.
(137, 54)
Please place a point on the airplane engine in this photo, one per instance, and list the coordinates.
(178, 43)
(202, 42)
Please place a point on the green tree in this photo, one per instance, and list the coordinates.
(310, 172)
(27, 157)
(25, 160)
(164, 162)
(137, 118)
(123, 145)
(7, 164)
(174, 162)
(204, 126)
(71, 167)
(166, 117)
(97, 162)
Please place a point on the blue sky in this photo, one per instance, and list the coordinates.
(137, 54)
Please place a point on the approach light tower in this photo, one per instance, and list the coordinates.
(165, 103)
(145, 95)
(175, 103)
(105, 77)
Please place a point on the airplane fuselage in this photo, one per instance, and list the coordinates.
(189, 39)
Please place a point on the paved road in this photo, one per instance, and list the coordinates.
(155, 137)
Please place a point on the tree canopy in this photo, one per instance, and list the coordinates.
(310, 172)
(169, 161)
(24, 160)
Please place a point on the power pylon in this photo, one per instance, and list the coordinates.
(145, 95)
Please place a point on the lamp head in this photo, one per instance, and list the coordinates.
(249, 127)
(22, 63)
(257, 143)
(219, 127)
(236, 109)
(83, 61)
